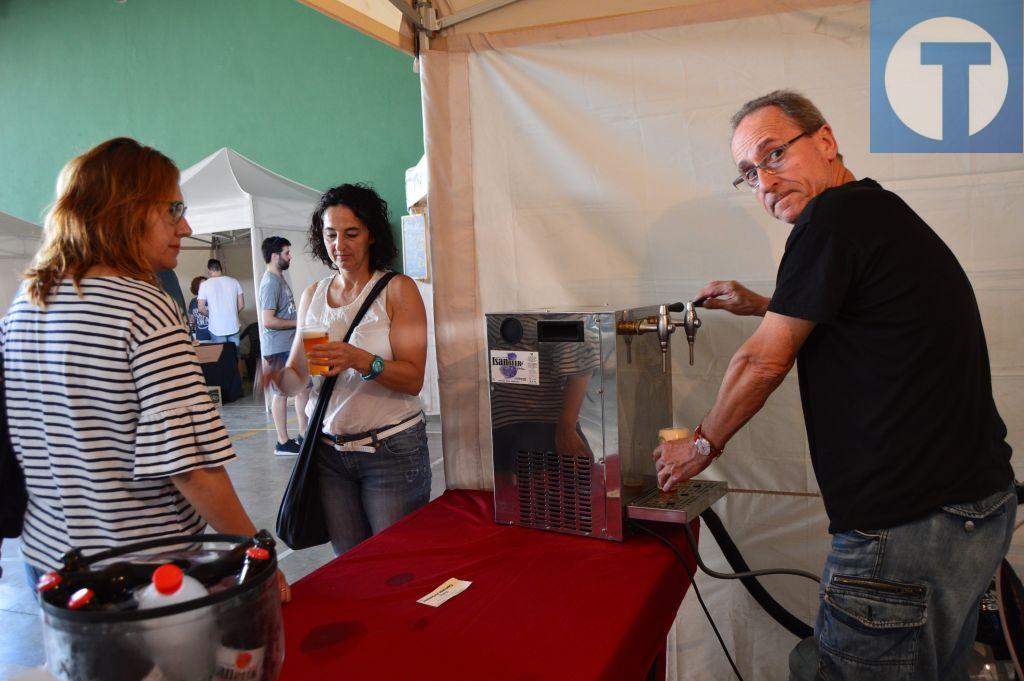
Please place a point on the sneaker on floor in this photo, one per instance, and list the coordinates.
(287, 448)
(298, 439)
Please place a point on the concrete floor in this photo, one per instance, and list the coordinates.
(259, 477)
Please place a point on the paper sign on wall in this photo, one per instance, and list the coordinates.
(515, 366)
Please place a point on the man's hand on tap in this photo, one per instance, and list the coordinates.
(732, 296)
(677, 461)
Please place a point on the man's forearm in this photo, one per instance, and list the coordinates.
(278, 323)
(748, 382)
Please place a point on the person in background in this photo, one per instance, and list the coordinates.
(277, 312)
(200, 323)
(373, 461)
(169, 283)
(221, 299)
(123, 443)
(907, 446)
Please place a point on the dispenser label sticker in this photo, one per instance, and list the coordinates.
(518, 367)
(450, 589)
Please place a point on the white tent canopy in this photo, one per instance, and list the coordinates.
(19, 240)
(226, 192)
(578, 154)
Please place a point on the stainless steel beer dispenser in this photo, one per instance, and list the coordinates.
(577, 399)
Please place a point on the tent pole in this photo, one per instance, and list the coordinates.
(474, 11)
(409, 13)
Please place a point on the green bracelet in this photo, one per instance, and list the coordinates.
(376, 368)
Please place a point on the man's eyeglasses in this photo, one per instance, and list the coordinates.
(772, 162)
(177, 211)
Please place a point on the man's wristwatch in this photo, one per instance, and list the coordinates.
(704, 447)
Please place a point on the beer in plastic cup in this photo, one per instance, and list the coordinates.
(669, 434)
(311, 337)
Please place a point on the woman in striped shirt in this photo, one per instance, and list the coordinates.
(108, 411)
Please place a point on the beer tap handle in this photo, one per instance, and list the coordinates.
(677, 307)
(665, 329)
(691, 322)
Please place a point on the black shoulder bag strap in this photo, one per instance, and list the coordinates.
(300, 519)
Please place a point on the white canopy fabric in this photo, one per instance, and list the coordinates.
(591, 165)
(19, 241)
(227, 192)
(578, 154)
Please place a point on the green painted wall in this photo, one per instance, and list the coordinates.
(291, 89)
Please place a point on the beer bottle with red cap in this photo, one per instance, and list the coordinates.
(112, 585)
(240, 655)
(228, 564)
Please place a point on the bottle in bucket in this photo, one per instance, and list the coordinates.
(241, 650)
(182, 644)
(109, 587)
(311, 337)
(224, 570)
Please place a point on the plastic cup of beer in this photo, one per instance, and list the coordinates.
(311, 337)
(669, 434)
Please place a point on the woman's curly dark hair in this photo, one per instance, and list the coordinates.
(371, 210)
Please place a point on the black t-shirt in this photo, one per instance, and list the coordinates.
(894, 379)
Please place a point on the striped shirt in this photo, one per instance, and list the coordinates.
(105, 401)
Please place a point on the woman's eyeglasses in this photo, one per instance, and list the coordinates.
(177, 211)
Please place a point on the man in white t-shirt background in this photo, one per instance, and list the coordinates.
(220, 298)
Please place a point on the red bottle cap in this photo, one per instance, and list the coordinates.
(167, 579)
(258, 553)
(48, 581)
(80, 598)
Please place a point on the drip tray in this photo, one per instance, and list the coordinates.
(686, 501)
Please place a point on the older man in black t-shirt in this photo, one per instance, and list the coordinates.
(907, 446)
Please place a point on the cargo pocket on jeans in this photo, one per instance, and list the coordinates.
(871, 626)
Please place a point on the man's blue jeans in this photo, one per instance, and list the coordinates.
(902, 603)
(363, 493)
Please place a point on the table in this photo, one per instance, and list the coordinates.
(542, 605)
(219, 362)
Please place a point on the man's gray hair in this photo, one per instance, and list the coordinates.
(798, 108)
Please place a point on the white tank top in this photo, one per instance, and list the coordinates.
(356, 405)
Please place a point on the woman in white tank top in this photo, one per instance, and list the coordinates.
(372, 456)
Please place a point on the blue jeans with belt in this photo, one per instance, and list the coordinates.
(901, 604)
(363, 492)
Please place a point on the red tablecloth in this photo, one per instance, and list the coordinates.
(542, 605)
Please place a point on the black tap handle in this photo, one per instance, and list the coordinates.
(676, 307)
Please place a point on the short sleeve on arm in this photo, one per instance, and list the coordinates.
(179, 428)
(815, 274)
(203, 288)
(269, 292)
(238, 288)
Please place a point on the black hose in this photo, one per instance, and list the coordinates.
(788, 620)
